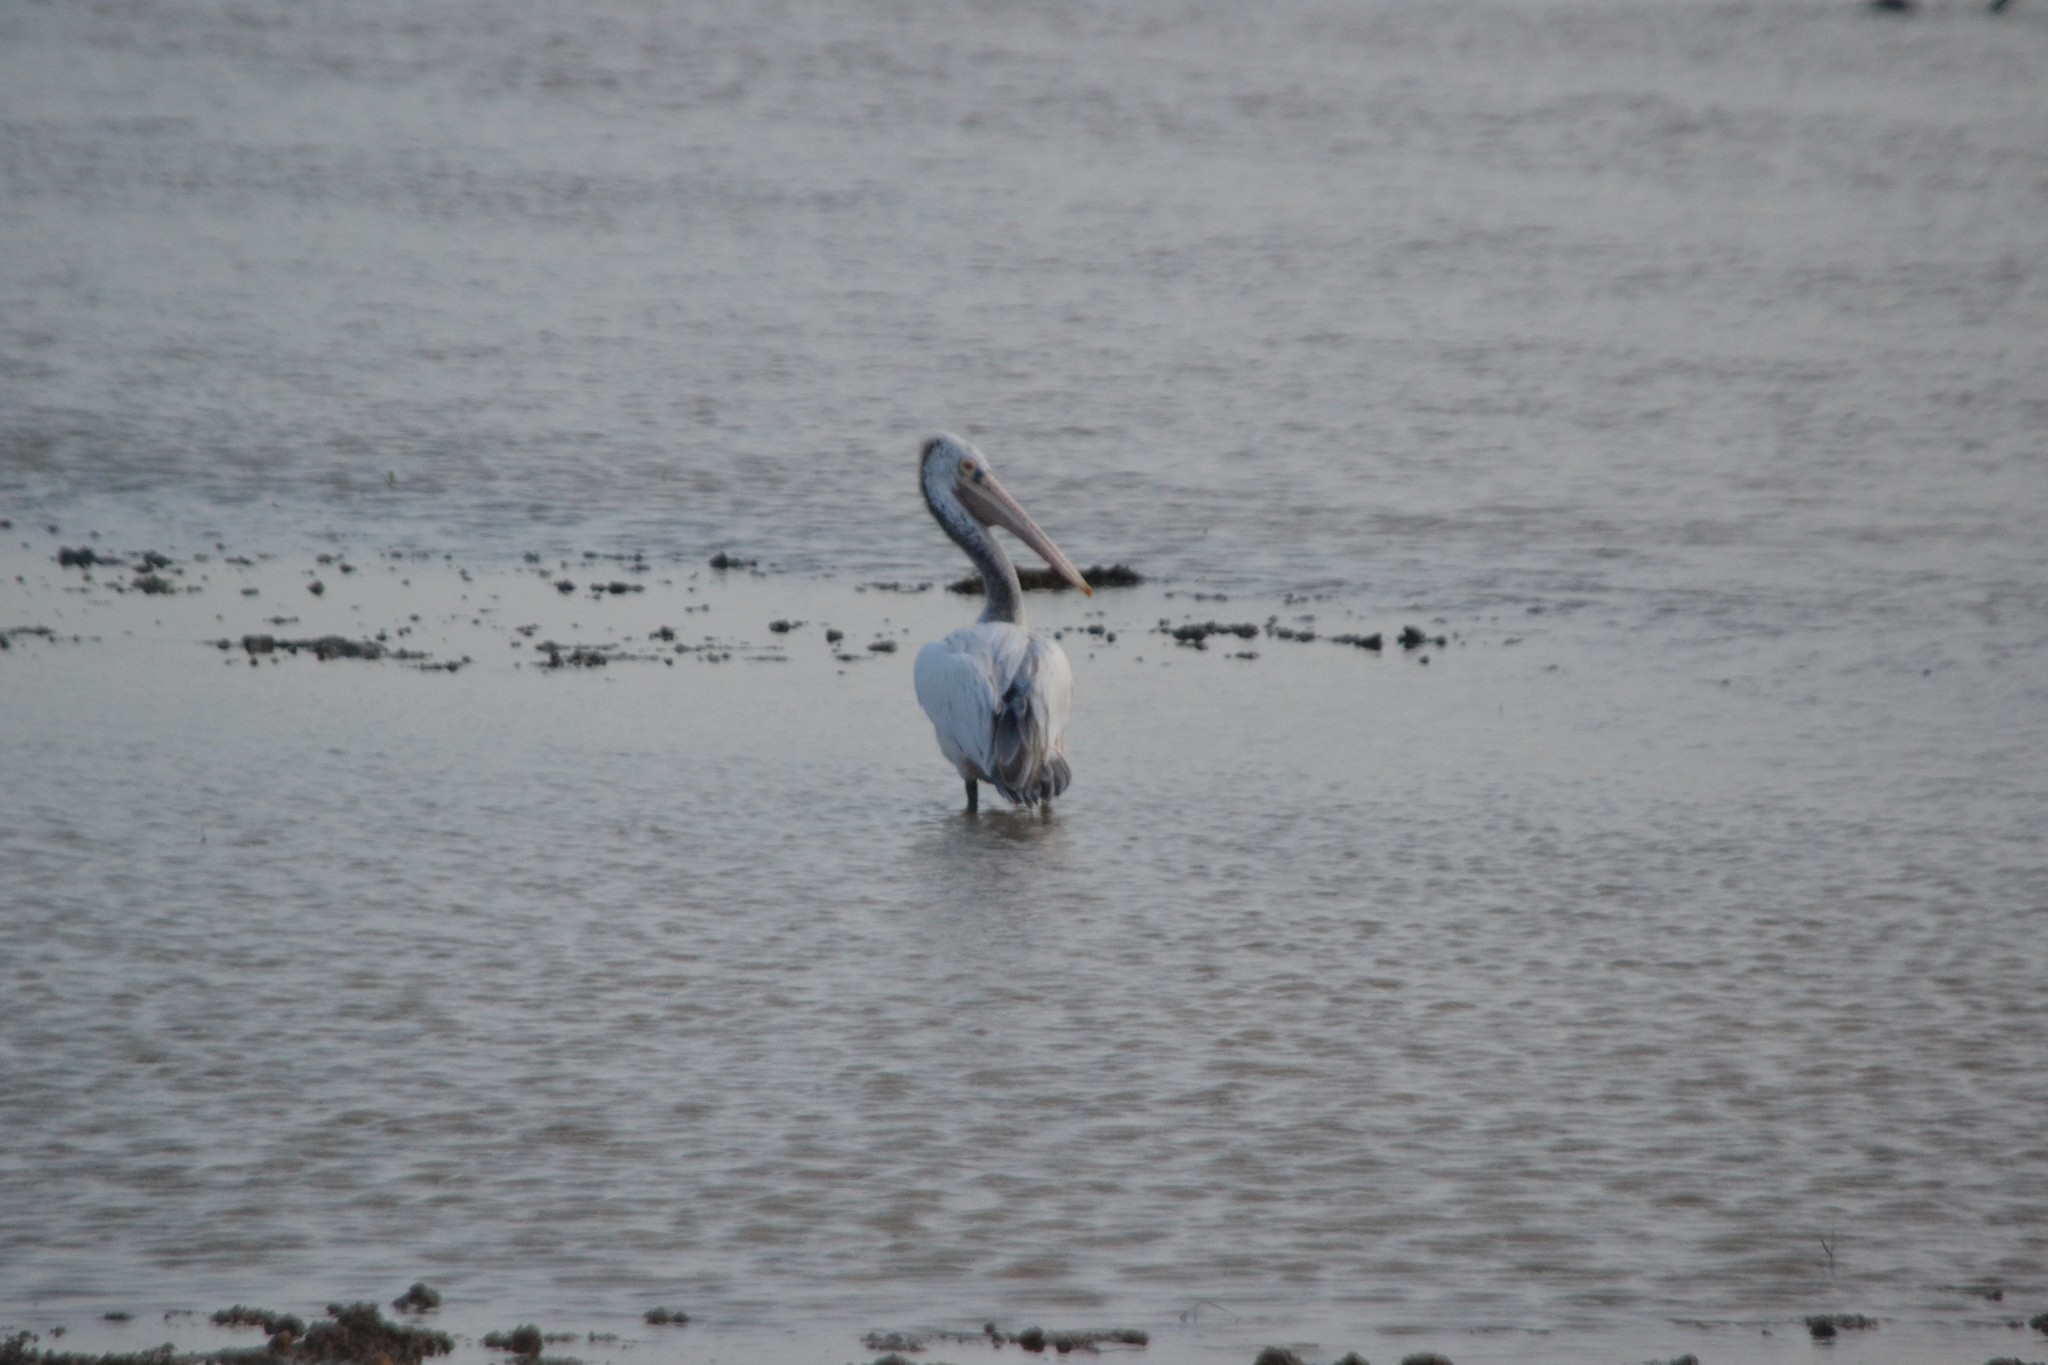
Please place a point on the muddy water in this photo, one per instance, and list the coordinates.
(1655, 964)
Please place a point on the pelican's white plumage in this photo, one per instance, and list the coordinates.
(998, 696)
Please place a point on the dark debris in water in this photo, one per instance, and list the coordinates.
(722, 560)
(1045, 580)
(272, 1323)
(667, 1317)
(358, 1332)
(421, 1298)
(1824, 1326)
(524, 1340)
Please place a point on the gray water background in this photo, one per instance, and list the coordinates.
(1690, 362)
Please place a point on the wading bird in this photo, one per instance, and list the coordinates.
(997, 696)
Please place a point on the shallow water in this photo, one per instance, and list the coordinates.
(1663, 951)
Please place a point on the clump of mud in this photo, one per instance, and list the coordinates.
(1824, 1326)
(1045, 580)
(1031, 1339)
(421, 1298)
(520, 1341)
(358, 1332)
(272, 1323)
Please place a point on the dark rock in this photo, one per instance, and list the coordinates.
(782, 627)
(883, 647)
(1351, 1358)
(1371, 642)
(116, 1316)
(1276, 1355)
(667, 1316)
(153, 583)
(722, 560)
(1425, 1358)
(833, 637)
(564, 586)
(419, 1299)
(152, 560)
(81, 558)
(2039, 1322)
(316, 587)
(1031, 1338)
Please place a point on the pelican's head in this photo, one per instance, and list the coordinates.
(956, 476)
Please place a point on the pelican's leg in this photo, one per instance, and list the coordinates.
(973, 797)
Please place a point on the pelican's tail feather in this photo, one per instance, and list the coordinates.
(1030, 769)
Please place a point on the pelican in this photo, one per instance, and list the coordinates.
(997, 695)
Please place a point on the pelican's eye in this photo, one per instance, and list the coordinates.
(970, 470)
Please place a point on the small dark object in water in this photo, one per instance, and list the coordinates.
(1354, 1358)
(722, 560)
(1425, 1358)
(892, 1341)
(316, 587)
(2039, 1322)
(883, 647)
(338, 647)
(893, 1359)
(833, 637)
(1892, 6)
(359, 1332)
(520, 1341)
(1823, 1326)
(1031, 1338)
(661, 1316)
(564, 586)
(418, 1299)
(615, 587)
(154, 583)
(1413, 638)
(782, 627)
(1196, 632)
(1371, 642)
(1276, 1355)
(272, 1323)
(1687, 1359)
(151, 559)
(116, 1316)
(80, 558)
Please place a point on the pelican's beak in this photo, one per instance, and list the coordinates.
(992, 505)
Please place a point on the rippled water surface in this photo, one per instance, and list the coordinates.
(1660, 954)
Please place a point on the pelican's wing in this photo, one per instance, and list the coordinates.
(999, 700)
(956, 686)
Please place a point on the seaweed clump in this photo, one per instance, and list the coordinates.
(421, 1298)
(358, 1332)
(272, 1323)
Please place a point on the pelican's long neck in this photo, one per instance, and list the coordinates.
(1004, 596)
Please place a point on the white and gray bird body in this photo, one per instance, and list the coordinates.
(998, 696)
